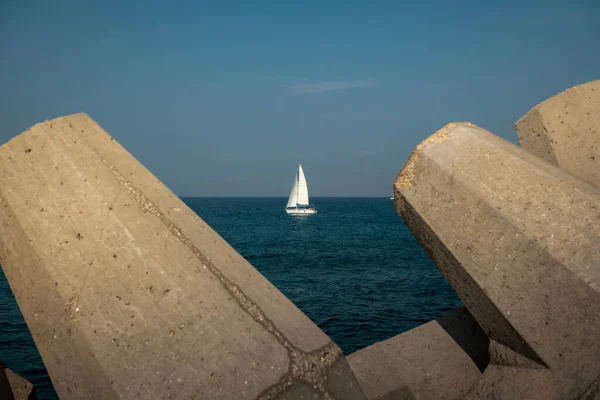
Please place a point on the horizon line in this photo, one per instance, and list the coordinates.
(282, 197)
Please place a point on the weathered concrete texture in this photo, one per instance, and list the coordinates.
(438, 360)
(592, 392)
(128, 293)
(22, 389)
(517, 238)
(299, 391)
(509, 375)
(517, 383)
(14, 387)
(565, 130)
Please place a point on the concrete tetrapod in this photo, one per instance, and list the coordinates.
(441, 360)
(517, 238)
(14, 386)
(129, 294)
(22, 389)
(565, 131)
(5, 388)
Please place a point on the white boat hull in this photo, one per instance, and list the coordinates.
(300, 211)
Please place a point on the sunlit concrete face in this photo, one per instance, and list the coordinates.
(517, 238)
(129, 294)
(565, 131)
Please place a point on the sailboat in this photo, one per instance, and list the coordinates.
(298, 202)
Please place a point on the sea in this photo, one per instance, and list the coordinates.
(354, 269)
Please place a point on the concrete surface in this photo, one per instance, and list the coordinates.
(5, 389)
(129, 294)
(22, 389)
(14, 386)
(565, 131)
(517, 238)
(438, 360)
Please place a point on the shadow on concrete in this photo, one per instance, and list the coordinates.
(466, 332)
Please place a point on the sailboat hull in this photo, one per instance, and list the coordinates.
(300, 211)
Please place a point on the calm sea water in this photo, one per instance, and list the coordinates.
(353, 268)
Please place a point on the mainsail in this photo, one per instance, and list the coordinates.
(299, 193)
(302, 188)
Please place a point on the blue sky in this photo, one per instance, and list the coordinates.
(226, 98)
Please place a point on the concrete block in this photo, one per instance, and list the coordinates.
(129, 294)
(14, 387)
(510, 383)
(565, 131)
(438, 360)
(5, 389)
(22, 389)
(592, 392)
(517, 238)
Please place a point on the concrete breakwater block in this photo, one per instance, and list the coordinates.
(517, 238)
(15, 387)
(441, 360)
(565, 131)
(129, 294)
(22, 389)
(5, 387)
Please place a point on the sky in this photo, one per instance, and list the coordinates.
(226, 98)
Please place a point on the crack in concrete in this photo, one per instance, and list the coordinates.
(308, 367)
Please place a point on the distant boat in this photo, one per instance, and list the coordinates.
(298, 202)
(392, 198)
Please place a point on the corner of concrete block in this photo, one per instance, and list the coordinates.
(20, 387)
(405, 179)
(342, 382)
(68, 119)
(76, 116)
(523, 124)
(50, 123)
(79, 114)
(525, 117)
(535, 110)
(441, 359)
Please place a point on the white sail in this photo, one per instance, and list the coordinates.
(302, 188)
(298, 200)
(292, 201)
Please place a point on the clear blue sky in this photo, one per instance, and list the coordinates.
(225, 98)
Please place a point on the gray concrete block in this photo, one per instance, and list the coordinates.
(128, 293)
(439, 360)
(565, 131)
(517, 238)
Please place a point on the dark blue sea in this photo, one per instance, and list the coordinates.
(353, 268)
